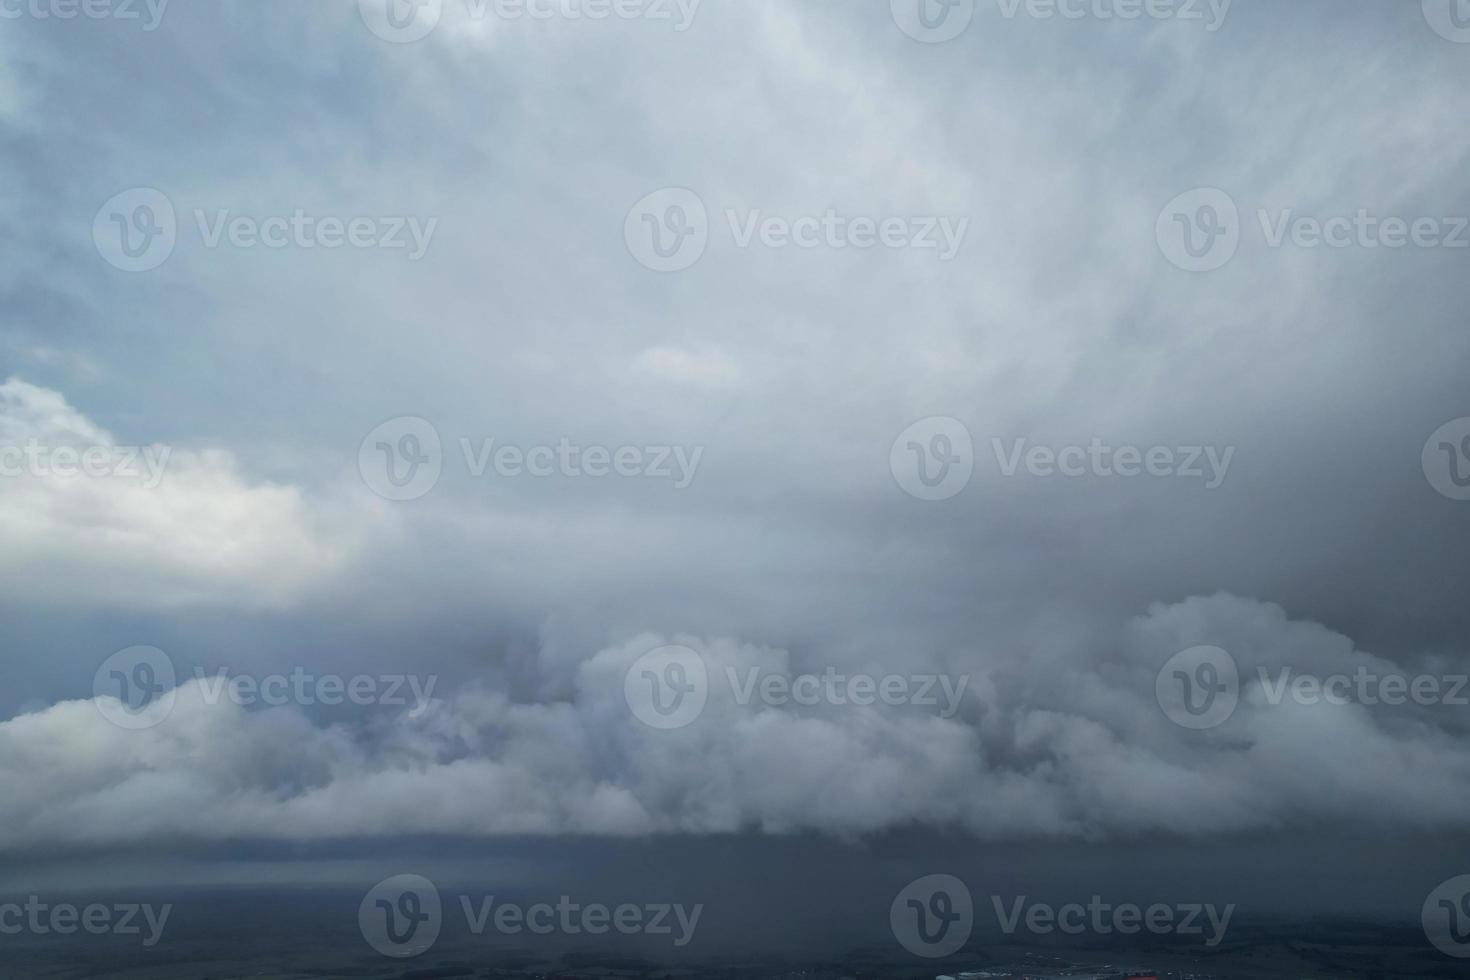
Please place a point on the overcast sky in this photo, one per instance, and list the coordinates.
(1033, 288)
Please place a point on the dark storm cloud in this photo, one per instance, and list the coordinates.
(527, 321)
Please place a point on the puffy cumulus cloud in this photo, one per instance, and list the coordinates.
(86, 519)
(1077, 752)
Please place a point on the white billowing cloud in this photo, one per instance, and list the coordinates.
(1060, 320)
(1084, 752)
(88, 519)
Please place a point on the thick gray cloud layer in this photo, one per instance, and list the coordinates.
(1059, 321)
(1062, 749)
